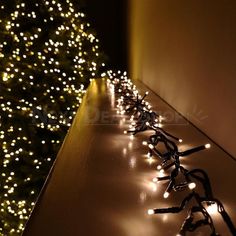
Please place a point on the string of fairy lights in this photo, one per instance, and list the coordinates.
(48, 54)
(170, 169)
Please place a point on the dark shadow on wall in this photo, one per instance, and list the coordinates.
(108, 18)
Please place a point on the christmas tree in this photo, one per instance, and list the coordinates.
(48, 54)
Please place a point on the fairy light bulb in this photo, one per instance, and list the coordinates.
(212, 208)
(155, 180)
(166, 195)
(149, 155)
(159, 167)
(192, 186)
(151, 212)
(161, 118)
(145, 143)
(151, 146)
(208, 145)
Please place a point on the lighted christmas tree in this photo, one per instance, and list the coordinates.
(47, 54)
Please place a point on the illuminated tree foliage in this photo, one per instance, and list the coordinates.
(48, 53)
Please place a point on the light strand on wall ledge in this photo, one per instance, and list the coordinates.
(195, 181)
(203, 205)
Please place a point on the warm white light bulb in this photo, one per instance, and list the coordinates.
(192, 186)
(151, 146)
(212, 209)
(166, 195)
(159, 167)
(125, 132)
(155, 180)
(145, 143)
(208, 145)
(180, 140)
(162, 171)
(151, 212)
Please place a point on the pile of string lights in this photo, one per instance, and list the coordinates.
(172, 173)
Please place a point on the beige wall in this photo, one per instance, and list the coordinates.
(185, 50)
